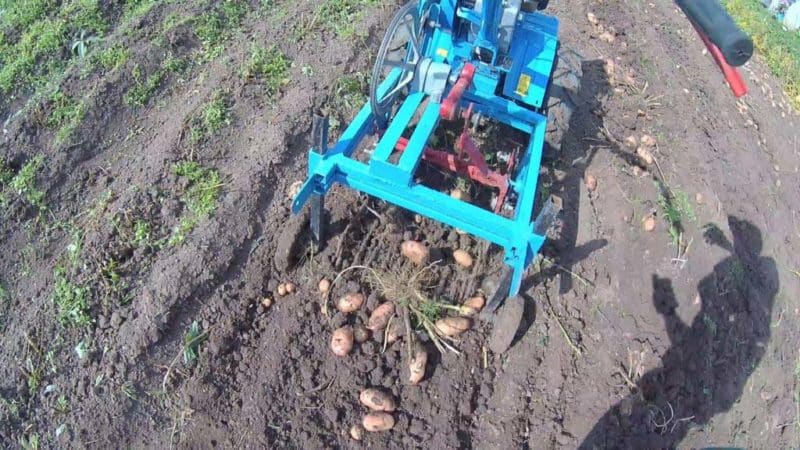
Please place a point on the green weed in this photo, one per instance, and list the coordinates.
(71, 301)
(214, 116)
(780, 48)
(80, 46)
(200, 197)
(4, 297)
(113, 57)
(341, 16)
(66, 116)
(214, 27)
(33, 376)
(29, 442)
(144, 88)
(62, 404)
(24, 183)
(136, 9)
(348, 94)
(270, 66)
(192, 340)
(676, 207)
(142, 233)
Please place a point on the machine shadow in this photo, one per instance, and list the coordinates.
(705, 370)
(566, 167)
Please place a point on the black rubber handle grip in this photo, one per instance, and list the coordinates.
(717, 24)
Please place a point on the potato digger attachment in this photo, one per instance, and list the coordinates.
(470, 61)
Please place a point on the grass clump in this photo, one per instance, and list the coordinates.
(214, 27)
(192, 340)
(200, 197)
(113, 57)
(270, 66)
(676, 207)
(71, 301)
(342, 16)
(779, 47)
(66, 115)
(214, 116)
(144, 87)
(24, 183)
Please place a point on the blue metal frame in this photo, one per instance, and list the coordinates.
(394, 182)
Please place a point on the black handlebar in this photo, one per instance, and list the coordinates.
(713, 20)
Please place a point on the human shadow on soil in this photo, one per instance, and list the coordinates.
(705, 370)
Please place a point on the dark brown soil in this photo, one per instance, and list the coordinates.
(626, 342)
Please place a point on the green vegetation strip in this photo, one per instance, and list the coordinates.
(779, 47)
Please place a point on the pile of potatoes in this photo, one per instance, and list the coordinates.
(381, 406)
(343, 339)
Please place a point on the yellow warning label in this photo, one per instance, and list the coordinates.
(524, 85)
(442, 52)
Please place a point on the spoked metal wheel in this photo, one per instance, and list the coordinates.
(401, 49)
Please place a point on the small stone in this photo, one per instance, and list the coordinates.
(592, 18)
(631, 141)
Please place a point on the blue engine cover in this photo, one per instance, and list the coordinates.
(533, 52)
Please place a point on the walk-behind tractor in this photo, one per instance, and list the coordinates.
(456, 63)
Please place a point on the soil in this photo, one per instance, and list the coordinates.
(628, 340)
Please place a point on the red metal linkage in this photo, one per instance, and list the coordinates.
(449, 108)
(449, 161)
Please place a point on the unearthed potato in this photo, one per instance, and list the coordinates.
(378, 421)
(417, 252)
(350, 302)
(631, 141)
(342, 340)
(380, 317)
(462, 258)
(360, 333)
(453, 326)
(416, 368)
(324, 286)
(458, 194)
(267, 302)
(474, 305)
(282, 289)
(646, 155)
(649, 224)
(377, 400)
(356, 432)
(290, 287)
(591, 182)
(393, 332)
(648, 140)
